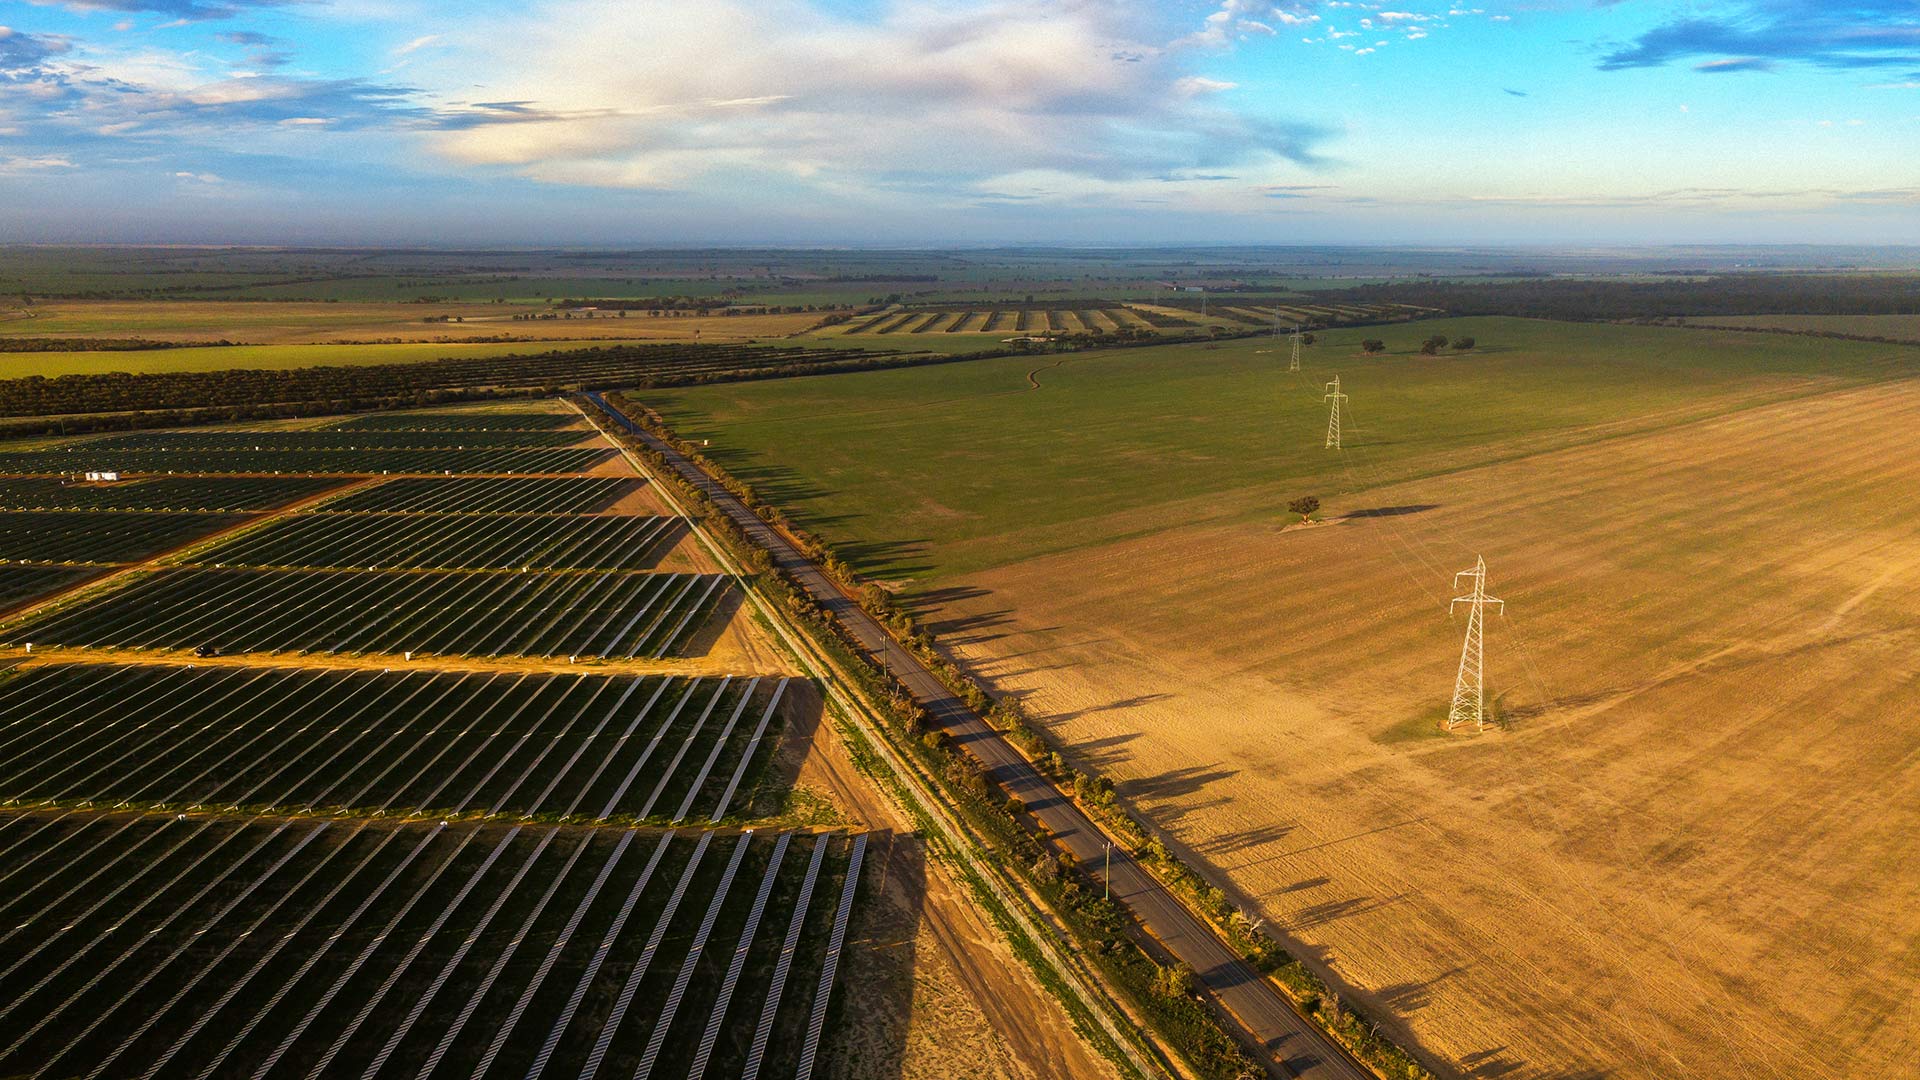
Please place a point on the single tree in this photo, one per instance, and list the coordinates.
(1463, 344)
(1306, 339)
(1434, 344)
(1373, 345)
(1305, 505)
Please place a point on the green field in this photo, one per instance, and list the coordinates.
(929, 473)
(216, 358)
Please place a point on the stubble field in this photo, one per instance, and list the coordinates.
(1684, 856)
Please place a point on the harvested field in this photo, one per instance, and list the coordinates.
(448, 542)
(82, 536)
(1697, 807)
(200, 493)
(1894, 327)
(612, 615)
(487, 495)
(293, 740)
(460, 949)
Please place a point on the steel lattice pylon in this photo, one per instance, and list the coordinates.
(1295, 366)
(1469, 692)
(1335, 397)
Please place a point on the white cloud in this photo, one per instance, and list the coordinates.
(678, 93)
(416, 44)
(16, 166)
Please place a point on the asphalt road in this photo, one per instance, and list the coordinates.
(1294, 1045)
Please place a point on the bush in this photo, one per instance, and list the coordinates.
(1373, 345)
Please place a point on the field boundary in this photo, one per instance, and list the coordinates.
(1012, 908)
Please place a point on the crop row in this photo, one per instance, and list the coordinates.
(203, 493)
(459, 420)
(450, 541)
(332, 440)
(621, 365)
(164, 946)
(296, 740)
(82, 536)
(87, 458)
(487, 495)
(615, 615)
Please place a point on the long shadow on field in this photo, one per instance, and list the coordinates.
(1174, 783)
(1100, 754)
(712, 626)
(873, 1010)
(886, 558)
(1121, 705)
(1390, 511)
(1411, 997)
(1245, 838)
(800, 722)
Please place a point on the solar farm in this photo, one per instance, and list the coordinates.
(1177, 314)
(413, 759)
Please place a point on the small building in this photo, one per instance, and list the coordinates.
(102, 477)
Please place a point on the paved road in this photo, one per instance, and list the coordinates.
(1293, 1044)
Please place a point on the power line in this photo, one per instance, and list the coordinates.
(1335, 398)
(1469, 691)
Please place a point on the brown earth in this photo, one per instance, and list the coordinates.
(1688, 853)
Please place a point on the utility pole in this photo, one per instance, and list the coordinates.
(1334, 397)
(1295, 366)
(1469, 692)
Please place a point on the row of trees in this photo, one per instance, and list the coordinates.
(1429, 347)
(1609, 299)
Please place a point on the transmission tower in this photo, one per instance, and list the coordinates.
(1469, 692)
(1334, 397)
(1295, 366)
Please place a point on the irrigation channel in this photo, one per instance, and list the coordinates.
(383, 834)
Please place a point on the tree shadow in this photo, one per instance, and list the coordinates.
(1389, 511)
(1174, 783)
(873, 1004)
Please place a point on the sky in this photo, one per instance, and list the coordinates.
(959, 122)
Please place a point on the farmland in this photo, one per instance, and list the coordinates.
(1101, 316)
(1707, 557)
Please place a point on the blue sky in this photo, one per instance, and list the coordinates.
(917, 122)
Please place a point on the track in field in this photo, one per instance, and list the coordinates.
(85, 536)
(189, 947)
(69, 460)
(487, 495)
(462, 420)
(450, 541)
(199, 493)
(253, 441)
(593, 747)
(611, 614)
